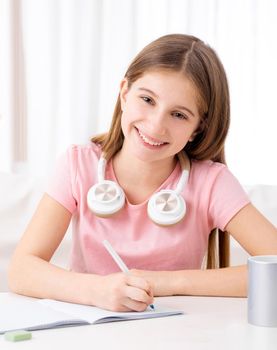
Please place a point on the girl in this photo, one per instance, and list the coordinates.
(155, 186)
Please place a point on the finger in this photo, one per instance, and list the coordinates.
(139, 295)
(139, 282)
(134, 305)
(122, 308)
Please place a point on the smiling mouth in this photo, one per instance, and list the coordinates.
(150, 142)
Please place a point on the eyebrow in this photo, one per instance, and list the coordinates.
(155, 95)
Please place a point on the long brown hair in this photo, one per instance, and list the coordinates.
(199, 63)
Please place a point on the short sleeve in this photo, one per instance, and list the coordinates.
(61, 183)
(227, 198)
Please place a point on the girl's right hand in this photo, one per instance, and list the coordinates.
(122, 292)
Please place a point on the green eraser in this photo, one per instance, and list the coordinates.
(18, 335)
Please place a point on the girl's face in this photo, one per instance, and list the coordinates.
(159, 114)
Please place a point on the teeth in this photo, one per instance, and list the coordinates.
(145, 139)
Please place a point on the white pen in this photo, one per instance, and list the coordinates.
(119, 261)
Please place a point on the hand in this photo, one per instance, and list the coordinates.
(163, 282)
(122, 292)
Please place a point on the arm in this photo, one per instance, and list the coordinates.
(256, 235)
(31, 273)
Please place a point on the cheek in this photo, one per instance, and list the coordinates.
(130, 112)
(123, 122)
(127, 119)
(183, 134)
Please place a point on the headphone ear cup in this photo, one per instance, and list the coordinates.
(105, 198)
(166, 208)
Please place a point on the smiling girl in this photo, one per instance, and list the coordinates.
(156, 186)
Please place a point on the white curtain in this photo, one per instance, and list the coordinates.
(61, 62)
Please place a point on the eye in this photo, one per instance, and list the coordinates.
(179, 115)
(147, 100)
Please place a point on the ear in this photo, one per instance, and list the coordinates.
(198, 130)
(123, 92)
(192, 136)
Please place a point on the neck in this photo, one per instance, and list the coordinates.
(146, 174)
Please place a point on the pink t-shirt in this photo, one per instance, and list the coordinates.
(212, 194)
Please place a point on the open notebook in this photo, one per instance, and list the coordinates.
(18, 312)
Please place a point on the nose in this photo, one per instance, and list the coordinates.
(157, 123)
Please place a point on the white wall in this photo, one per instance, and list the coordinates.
(61, 62)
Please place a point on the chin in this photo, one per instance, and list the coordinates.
(149, 158)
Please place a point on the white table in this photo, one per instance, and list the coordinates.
(208, 323)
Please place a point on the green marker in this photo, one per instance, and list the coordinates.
(18, 335)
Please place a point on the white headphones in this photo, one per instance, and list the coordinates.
(166, 207)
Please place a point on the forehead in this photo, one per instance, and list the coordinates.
(163, 76)
(168, 84)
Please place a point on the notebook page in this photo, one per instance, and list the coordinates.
(17, 312)
(93, 314)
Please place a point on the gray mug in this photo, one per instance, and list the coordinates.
(262, 290)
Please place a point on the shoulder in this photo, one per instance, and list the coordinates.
(209, 175)
(81, 154)
(85, 149)
(79, 159)
(82, 162)
(215, 179)
(207, 169)
(219, 192)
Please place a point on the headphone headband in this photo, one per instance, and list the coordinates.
(182, 157)
(166, 207)
(101, 169)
